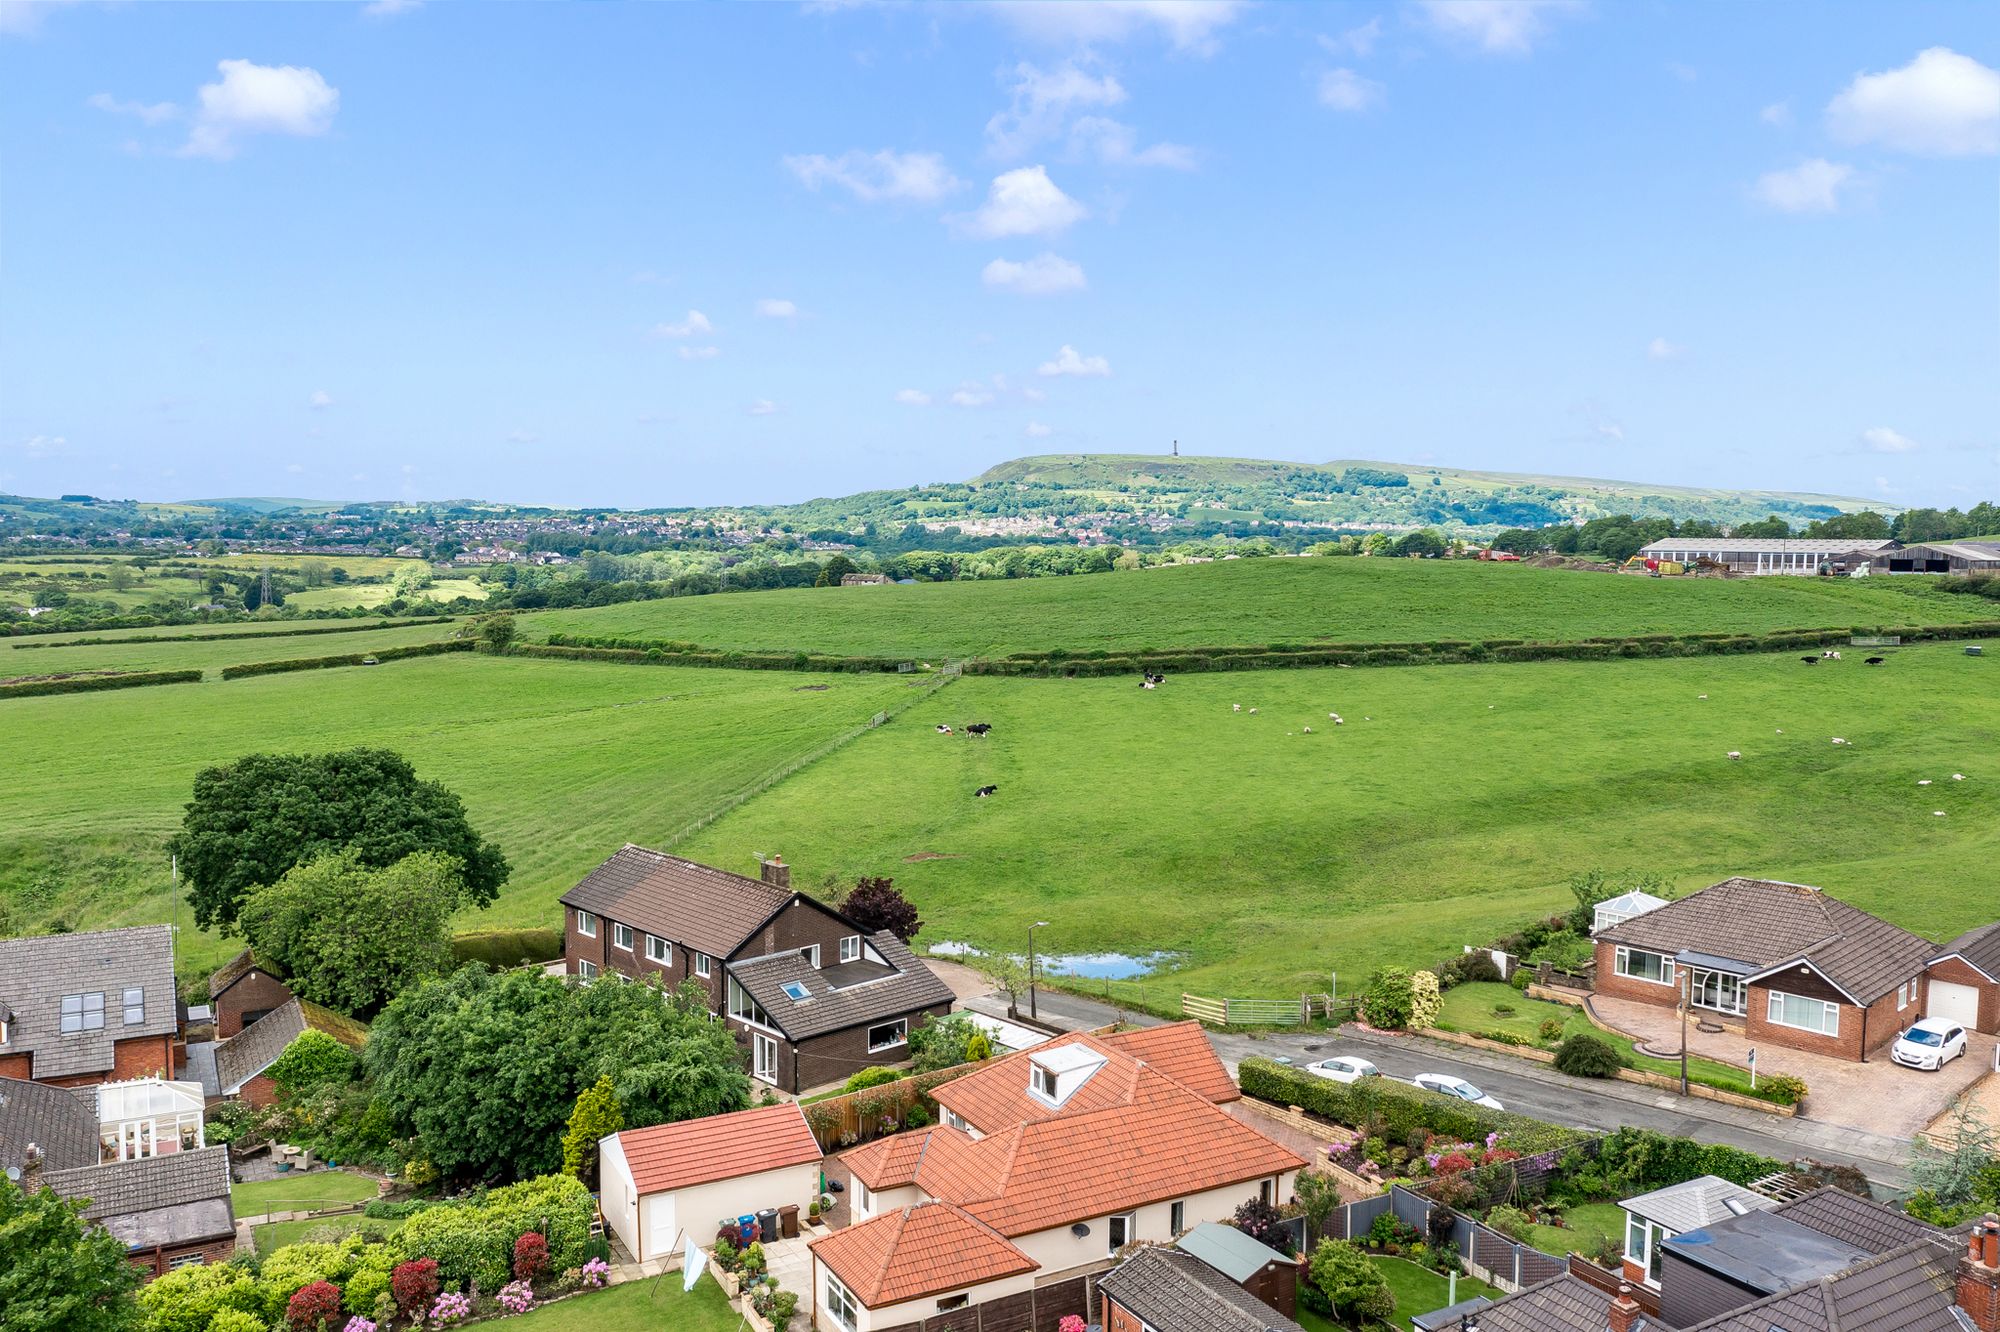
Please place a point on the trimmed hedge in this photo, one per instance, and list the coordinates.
(1393, 1109)
(257, 633)
(506, 948)
(346, 659)
(83, 684)
(667, 654)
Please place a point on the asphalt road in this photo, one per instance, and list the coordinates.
(1541, 1092)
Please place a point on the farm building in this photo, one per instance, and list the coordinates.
(665, 1183)
(1769, 555)
(1943, 557)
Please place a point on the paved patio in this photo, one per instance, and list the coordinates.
(1878, 1096)
(791, 1262)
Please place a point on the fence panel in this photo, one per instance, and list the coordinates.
(1205, 1010)
(1353, 1219)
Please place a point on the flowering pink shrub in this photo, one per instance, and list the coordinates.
(359, 1324)
(451, 1307)
(517, 1297)
(1071, 1323)
(595, 1273)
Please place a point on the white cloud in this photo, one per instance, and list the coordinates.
(1190, 25)
(972, 394)
(1022, 202)
(1344, 90)
(1813, 186)
(777, 309)
(1659, 349)
(696, 322)
(1067, 362)
(763, 407)
(1042, 101)
(320, 400)
(1359, 42)
(259, 99)
(1777, 113)
(1036, 430)
(152, 114)
(876, 177)
(913, 397)
(1881, 439)
(389, 8)
(1117, 144)
(1033, 394)
(698, 353)
(1043, 275)
(1941, 104)
(43, 446)
(1612, 431)
(23, 18)
(1500, 27)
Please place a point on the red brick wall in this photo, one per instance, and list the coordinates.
(140, 1057)
(257, 992)
(16, 1066)
(578, 947)
(1881, 1025)
(259, 1092)
(1608, 981)
(1962, 973)
(1117, 1320)
(800, 925)
(154, 1264)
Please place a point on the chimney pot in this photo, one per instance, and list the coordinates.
(1979, 1275)
(1624, 1310)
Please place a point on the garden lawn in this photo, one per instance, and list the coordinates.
(300, 1192)
(1470, 1009)
(1419, 1290)
(275, 1235)
(1589, 1225)
(1342, 600)
(1450, 807)
(559, 762)
(651, 1305)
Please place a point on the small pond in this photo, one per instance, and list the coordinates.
(1094, 966)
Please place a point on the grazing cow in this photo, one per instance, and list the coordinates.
(1874, 661)
(1154, 681)
(1810, 661)
(978, 728)
(944, 730)
(984, 791)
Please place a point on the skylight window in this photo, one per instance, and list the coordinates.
(797, 992)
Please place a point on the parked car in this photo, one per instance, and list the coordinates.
(1930, 1043)
(1343, 1068)
(1448, 1085)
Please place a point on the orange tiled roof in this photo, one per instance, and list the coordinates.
(697, 1151)
(997, 1095)
(919, 1250)
(1182, 1052)
(887, 1163)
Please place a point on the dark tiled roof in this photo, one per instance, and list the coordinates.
(709, 910)
(235, 969)
(36, 973)
(1980, 947)
(1561, 1304)
(1174, 1291)
(147, 1183)
(254, 1049)
(55, 1119)
(1911, 1289)
(866, 993)
(1765, 924)
(1857, 1221)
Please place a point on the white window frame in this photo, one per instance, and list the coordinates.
(1037, 1077)
(586, 923)
(841, 1306)
(621, 936)
(1128, 1223)
(130, 1005)
(1177, 1218)
(1651, 1235)
(811, 954)
(704, 965)
(180, 1260)
(665, 957)
(586, 968)
(1775, 1005)
(760, 1068)
(1698, 978)
(1621, 961)
(1905, 994)
(82, 1014)
(850, 947)
(902, 1029)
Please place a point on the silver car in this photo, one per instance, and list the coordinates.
(1447, 1085)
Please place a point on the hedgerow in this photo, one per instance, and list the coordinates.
(1393, 1110)
(345, 659)
(81, 684)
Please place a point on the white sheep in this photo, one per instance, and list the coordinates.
(1308, 730)
(1735, 754)
(1838, 741)
(1958, 776)
(1236, 707)
(1923, 781)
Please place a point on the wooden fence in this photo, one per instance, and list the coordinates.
(1301, 1011)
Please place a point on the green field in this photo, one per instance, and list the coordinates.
(1454, 801)
(17, 660)
(1262, 601)
(345, 596)
(559, 762)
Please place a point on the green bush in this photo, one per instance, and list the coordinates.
(1510, 1221)
(345, 659)
(1392, 1110)
(501, 949)
(872, 1077)
(465, 1243)
(560, 1206)
(1585, 1056)
(1385, 1001)
(188, 1299)
(80, 684)
(1632, 1161)
(1784, 1088)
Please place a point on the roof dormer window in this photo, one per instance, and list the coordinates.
(1042, 1080)
(82, 1012)
(1055, 1075)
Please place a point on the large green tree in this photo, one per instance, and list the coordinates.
(1355, 1287)
(484, 1068)
(252, 820)
(58, 1272)
(352, 937)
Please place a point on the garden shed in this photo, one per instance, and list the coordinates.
(663, 1182)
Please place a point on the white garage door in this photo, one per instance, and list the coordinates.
(661, 1232)
(1954, 1003)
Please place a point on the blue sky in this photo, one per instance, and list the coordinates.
(674, 254)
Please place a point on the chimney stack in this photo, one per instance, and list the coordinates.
(1624, 1310)
(31, 1170)
(777, 873)
(1979, 1275)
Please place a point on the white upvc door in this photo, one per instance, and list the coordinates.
(764, 1057)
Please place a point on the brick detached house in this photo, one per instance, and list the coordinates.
(245, 989)
(1786, 963)
(1046, 1166)
(811, 995)
(241, 1061)
(77, 1009)
(1964, 980)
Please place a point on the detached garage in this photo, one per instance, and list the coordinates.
(663, 1183)
(1964, 980)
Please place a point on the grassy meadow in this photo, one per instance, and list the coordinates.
(346, 596)
(559, 762)
(17, 659)
(1261, 601)
(1453, 801)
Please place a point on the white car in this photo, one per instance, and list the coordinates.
(1446, 1084)
(1930, 1043)
(1343, 1068)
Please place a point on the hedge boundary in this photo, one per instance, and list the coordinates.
(255, 633)
(501, 949)
(83, 684)
(644, 653)
(1399, 1108)
(346, 659)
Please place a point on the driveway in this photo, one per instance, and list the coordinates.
(1879, 1096)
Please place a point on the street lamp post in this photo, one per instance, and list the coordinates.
(1033, 1012)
